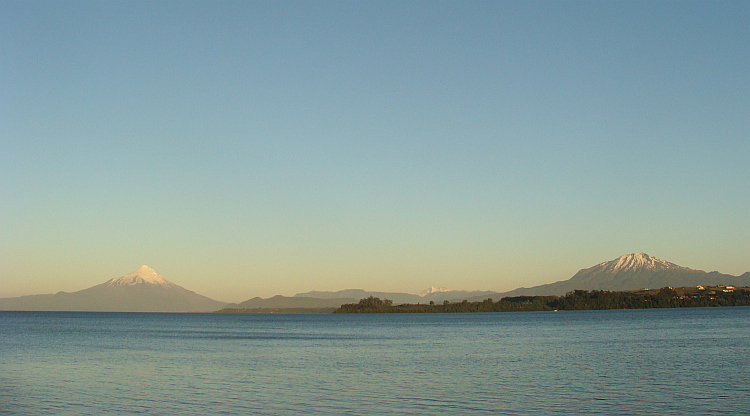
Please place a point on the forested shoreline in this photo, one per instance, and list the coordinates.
(688, 297)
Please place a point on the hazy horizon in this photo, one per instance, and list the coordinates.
(246, 149)
(149, 271)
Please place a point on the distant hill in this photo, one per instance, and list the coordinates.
(140, 291)
(432, 294)
(284, 302)
(630, 272)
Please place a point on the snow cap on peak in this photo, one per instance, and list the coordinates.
(636, 261)
(143, 274)
(432, 290)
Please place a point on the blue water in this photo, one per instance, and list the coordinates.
(635, 362)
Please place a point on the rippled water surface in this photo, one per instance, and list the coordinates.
(637, 362)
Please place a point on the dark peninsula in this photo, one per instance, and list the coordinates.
(668, 297)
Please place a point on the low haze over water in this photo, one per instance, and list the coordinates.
(645, 362)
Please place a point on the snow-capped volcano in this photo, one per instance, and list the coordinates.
(143, 274)
(143, 290)
(634, 262)
(633, 272)
(434, 289)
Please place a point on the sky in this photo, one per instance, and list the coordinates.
(254, 148)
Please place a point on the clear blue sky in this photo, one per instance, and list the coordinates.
(249, 149)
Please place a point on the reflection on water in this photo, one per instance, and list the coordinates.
(645, 362)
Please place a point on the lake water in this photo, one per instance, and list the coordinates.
(631, 362)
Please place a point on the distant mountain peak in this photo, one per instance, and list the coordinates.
(632, 272)
(635, 262)
(432, 290)
(142, 275)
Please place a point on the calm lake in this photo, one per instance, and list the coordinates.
(625, 362)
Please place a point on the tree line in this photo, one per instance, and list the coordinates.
(572, 301)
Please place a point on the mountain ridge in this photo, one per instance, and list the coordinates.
(142, 290)
(396, 297)
(631, 272)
